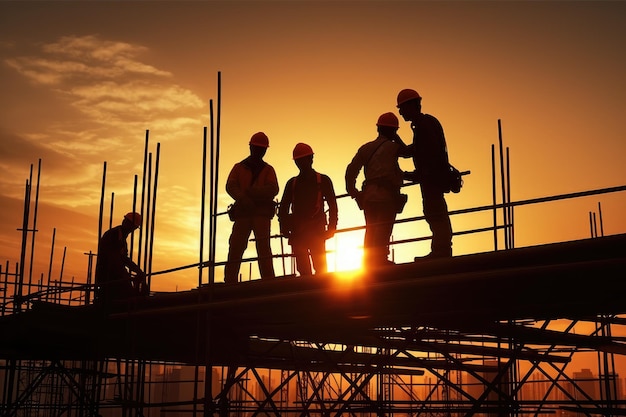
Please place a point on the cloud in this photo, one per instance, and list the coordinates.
(106, 80)
(117, 97)
(138, 100)
(86, 57)
(66, 179)
(18, 152)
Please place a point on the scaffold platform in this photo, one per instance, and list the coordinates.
(485, 297)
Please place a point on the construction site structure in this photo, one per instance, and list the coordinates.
(492, 334)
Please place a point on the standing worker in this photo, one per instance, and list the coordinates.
(380, 198)
(430, 157)
(114, 281)
(306, 226)
(253, 185)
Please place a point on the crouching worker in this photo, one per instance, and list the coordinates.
(302, 214)
(114, 268)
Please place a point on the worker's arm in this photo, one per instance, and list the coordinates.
(352, 172)
(266, 187)
(328, 192)
(132, 267)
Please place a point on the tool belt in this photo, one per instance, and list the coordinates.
(399, 199)
(265, 208)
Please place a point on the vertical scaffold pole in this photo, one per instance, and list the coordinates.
(32, 246)
(24, 230)
(216, 180)
(600, 219)
(494, 197)
(592, 226)
(202, 206)
(146, 217)
(100, 214)
(503, 184)
(508, 201)
(215, 156)
(54, 232)
(143, 194)
(153, 214)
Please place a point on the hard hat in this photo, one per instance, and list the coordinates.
(301, 150)
(388, 119)
(134, 218)
(406, 95)
(260, 139)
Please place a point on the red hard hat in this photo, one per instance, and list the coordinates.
(388, 119)
(301, 150)
(406, 95)
(135, 218)
(260, 139)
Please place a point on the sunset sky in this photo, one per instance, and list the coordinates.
(81, 83)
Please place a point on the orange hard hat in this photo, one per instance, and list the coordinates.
(260, 139)
(406, 95)
(301, 150)
(134, 218)
(388, 119)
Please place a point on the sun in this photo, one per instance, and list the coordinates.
(345, 252)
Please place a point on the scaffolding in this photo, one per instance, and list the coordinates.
(390, 349)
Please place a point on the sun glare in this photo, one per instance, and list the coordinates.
(346, 252)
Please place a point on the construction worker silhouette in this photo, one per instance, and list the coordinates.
(114, 268)
(302, 215)
(380, 198)
(252, 183)
(430, 157)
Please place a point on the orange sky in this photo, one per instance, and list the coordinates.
(82, 81)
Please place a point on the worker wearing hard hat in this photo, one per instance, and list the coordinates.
(252, 183)
(430, 157)
(380, 198)
(302, 213)
(114, 268)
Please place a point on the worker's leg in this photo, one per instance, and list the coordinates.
(438, 219)
(317, 246)
(238, 243)
(300, 248)
(379, 218)
(261, 227)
